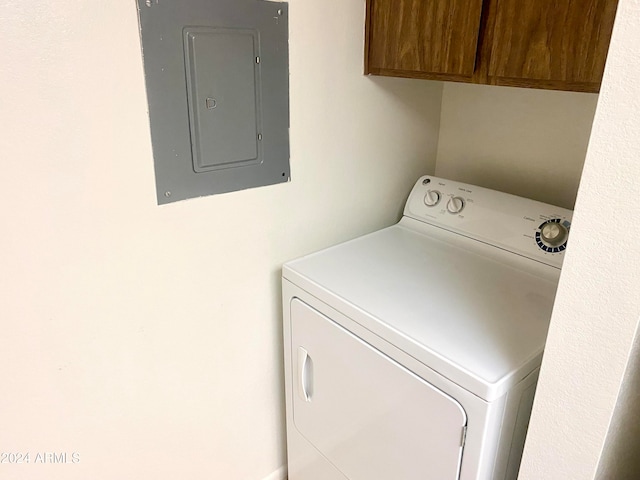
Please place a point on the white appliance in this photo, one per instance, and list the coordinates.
(413, 352)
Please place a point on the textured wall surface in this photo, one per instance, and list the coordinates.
(620, 458)
(597, 306)
(147, 339)
(518, 140)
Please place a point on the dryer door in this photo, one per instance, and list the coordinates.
(368, 415)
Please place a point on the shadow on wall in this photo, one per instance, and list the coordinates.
(620, 459)
(397, 87)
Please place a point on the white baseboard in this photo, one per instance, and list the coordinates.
(280, 474)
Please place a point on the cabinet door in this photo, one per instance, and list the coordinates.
(369, 416)
(558, 44)
(437, 38)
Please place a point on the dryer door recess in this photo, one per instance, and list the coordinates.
(369, 416)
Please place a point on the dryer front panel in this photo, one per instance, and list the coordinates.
(368, 415)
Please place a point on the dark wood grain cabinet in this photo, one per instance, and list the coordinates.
(554, 44)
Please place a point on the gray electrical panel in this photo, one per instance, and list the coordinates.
(217, 76)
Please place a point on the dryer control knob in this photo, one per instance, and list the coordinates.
(432, 198)
(455, 205)
(553, 234)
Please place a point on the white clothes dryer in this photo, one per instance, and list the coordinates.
(412, 353)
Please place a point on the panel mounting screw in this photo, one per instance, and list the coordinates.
(148, 3)
(279, 11)
(167, 194)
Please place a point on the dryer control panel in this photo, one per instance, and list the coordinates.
(520, 225)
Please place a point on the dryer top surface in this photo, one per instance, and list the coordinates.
(478, 316)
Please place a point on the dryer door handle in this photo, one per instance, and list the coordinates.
(305, 373)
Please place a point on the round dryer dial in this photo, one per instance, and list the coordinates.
(455, 205)
(432, 198)
(552, 235)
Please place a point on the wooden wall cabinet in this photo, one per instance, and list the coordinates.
(553, 44)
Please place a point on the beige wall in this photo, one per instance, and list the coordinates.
(522, 141)
(597, 305)
(147, 339)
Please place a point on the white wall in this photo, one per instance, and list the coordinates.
(519, 140)
(597, 305)
(620, 458)
(147, 338)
